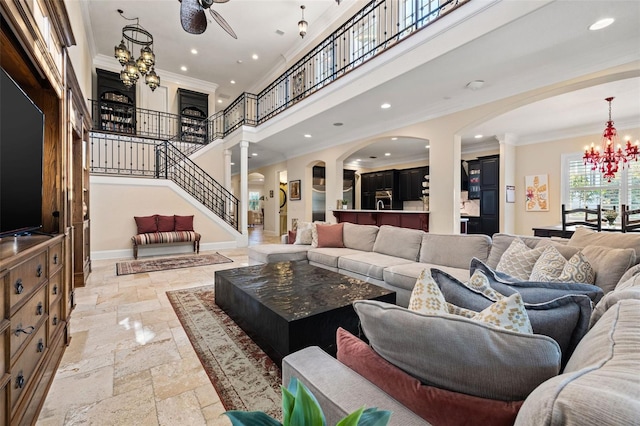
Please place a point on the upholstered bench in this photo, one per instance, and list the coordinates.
(159, 229)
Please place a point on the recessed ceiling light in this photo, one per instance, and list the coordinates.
(394, 139)
(183, 68)
(307, 135)
(387, 154)
(254, 154)
(602, 23)
(427, 146)
(337, 124)
(358, 159)
(478, 136)
(232, 82)
(239, 61)
(254, 56)
(194, 51)
(233, 164)
(219, 101)
(385, 105)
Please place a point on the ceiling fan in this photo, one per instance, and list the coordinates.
(193, 19)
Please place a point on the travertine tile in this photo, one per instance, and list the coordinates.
(131, 382)
(139, 358)
(182, 409)
(175, 378)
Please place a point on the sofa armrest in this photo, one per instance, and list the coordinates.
(340, 390)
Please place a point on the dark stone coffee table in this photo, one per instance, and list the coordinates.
(288, 306)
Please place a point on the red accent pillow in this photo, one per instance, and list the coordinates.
(291, 238)
(330, 235)
(146, 224)
(183, 223)
(165, 223)
(438, 406)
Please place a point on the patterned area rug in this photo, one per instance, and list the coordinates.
(242, 374)
(162, 264)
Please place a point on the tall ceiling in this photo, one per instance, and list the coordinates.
(549, 45)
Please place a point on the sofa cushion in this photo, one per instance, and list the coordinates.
(534, 291)
(183, 223)
(399, 242)
(166, 223)
(271, 253)
(437, 406)
(453, 250)
(482, 360)
(328, 256)
(583, 237)
(518, 260)
(565, 250)
(146, 224)
(369, 264)
(359, 237)
(500, 243)
(329, 235)
(565, 319)
(629, 289)
(405, 275)
(600, 384)
(610, 264)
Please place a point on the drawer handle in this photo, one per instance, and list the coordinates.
(39, 309)
(20, 381)
(55, 259)
(40, 346)
(19, 286)
(39, 271)
(27, 330)
(55, 289)
(55, 320)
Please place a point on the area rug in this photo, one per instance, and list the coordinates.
(162, 264)
(243, 375)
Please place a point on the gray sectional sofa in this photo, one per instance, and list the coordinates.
(600, 383)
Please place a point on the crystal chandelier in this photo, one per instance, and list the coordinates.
(610, 155)
(132, 36)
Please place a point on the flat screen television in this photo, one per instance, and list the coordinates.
(21, 156)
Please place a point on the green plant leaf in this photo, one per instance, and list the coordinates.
(288, 402)
(251, 418)
(374, 417)
(306, 410)
(352, 419)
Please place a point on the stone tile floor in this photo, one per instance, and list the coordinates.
(129, 361)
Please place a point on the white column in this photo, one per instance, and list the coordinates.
(227, 170)
(444, 181)
(244, 185)
(508, 177)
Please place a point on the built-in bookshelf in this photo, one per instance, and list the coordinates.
(193, 111)
(117, 104)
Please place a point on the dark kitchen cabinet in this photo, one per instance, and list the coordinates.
(410, 183)
(473, 226)
(474, 180)
(385, 180)
(489, 194)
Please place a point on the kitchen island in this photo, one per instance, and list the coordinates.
(413, 219)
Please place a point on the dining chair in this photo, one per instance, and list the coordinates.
(628, 224)
(589, 219)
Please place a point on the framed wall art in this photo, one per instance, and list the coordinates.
(294, 190)
(537, 193)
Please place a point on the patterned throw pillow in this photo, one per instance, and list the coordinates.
(578, 270)
(314, 233)
(481, 284)
(549, 265)
(426, 297)
(518, 260)
(303, 233)
(507, 313)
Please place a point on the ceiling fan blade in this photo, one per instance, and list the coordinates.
(220, 1)
(192, 17)
(225, 26)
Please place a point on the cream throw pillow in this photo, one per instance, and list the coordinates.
(314, 233)
(551, 266)
(518, 260)
(507, 312)
(304, 233)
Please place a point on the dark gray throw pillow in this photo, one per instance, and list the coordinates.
(565, 319)
(533, 291)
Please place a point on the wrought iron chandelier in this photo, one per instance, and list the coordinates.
(610, 155)
(133, 36)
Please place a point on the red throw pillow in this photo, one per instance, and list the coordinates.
(291, 238)
(184, 223)
(146, 224)
(165, 223)
(438, 406)
(330, 235)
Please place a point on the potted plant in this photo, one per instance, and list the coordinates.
(611, 216)
(344, 204)
(301, 408)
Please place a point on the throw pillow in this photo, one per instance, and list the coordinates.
(330, 235)
(533, 291)
(481, 360)
(183, 223)
(507, 313)
(433, 404)
(146, 224)
(166, 223)
(303, 233)
(610, 264)
(518, 260)
(565, 319)
(426, 297)
(551, 266)
(578, 270)
(314, 233)
(291, 237)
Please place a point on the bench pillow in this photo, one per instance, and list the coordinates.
(146, 224)
(435, 405)
(183, 223)
(166, 223)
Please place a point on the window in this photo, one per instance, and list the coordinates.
(422, 11)
(583, 187)
(254, 200)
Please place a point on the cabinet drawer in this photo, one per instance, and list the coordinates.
(25, 278)
(4, 348)
(55, 317)
(25, 365)
(55, 288)
(55, 257)
(4, 406)
(27, 320)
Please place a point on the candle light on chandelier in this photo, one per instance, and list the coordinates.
(607, 158)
